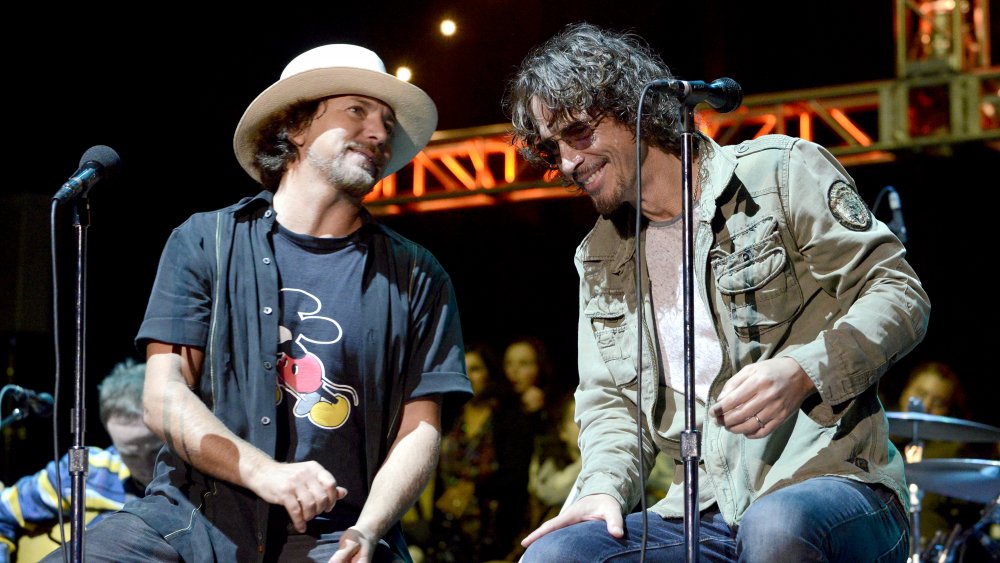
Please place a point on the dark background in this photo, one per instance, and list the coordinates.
(165, 85)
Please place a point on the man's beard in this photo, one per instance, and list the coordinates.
(351, 178)
(610, 202)
(607, 203)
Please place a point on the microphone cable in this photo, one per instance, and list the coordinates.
(58, 370)
(639, 305)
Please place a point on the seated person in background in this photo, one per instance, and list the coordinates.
(469, 483)
(940, 392)
(531, 372)
(28, 514)
(528, 367)
(938, 388)
(555, 463)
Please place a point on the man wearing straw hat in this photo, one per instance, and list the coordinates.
(299, 353)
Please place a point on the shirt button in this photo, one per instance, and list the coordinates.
(266, 261)
(265, 420)
(267, 365)
(743, 147)
(267, 310)
(268, 213)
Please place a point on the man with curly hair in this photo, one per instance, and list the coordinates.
(803, 300)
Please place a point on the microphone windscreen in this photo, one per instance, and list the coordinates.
(733, 94)
(103, 155)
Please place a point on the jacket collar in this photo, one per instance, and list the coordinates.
(610, 239)
(718, 167)
(264, 200)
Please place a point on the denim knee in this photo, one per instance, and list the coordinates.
(553, 547)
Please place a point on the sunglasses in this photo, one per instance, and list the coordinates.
(579, 135)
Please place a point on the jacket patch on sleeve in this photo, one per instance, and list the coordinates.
(848, 207)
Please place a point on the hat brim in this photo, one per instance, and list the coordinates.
(416, 114)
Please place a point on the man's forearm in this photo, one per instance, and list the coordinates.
(401, 479)
(176, 414)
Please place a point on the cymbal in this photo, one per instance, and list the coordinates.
(974, 480)
(924, 426)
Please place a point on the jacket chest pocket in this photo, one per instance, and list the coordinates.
(755, 280)
(614, 334)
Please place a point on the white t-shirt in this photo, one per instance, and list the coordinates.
(664, 257)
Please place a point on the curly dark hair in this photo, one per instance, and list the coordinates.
(596, 71)
(274, 147)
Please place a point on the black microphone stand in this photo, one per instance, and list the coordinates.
(78, 462)
(690, 439)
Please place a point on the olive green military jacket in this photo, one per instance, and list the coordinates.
(791, 263)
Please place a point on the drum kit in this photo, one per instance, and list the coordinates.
(972, 480)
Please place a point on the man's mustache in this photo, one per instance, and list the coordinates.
(375, 152)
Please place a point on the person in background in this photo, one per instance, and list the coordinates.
(802, 301)
(530, 370)
(527, 366)
(29, 516)
(940, 393)
(299, 353)
(468, 484)
(555, 463)
(938, 388)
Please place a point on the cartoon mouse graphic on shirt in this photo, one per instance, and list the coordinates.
(302, 375)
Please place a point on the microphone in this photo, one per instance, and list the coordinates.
(897, 226)
(38, 404)
(723, 94)
(97, 163)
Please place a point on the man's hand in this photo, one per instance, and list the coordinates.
(305, 489)
(761, 396)
(356, 546)
(590, 507)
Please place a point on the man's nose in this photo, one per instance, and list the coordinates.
(569, 159)
(378, 132)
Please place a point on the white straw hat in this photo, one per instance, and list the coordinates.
(332, 70)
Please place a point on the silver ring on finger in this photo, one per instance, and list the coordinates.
(759, 423)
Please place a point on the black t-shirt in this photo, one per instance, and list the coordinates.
(319, 389)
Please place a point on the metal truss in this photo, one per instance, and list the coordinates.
(946, 93)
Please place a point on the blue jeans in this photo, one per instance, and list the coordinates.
(126, 538)
(820, 519)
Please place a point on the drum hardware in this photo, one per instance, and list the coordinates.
(922, 426)
(952, 549)
(914, 452)
(967, 479)
(972, 480)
